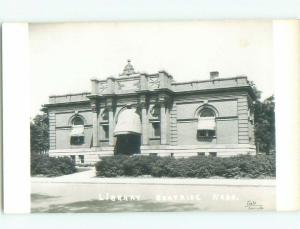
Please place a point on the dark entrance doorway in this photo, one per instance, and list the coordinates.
(127, 144)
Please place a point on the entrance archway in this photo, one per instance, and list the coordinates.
(127, 144)
(128, 133)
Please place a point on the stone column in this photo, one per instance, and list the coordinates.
(100, 134)
(163, 124)
(111, 126)
(111, 121)
(168, 134)
(95, 125)
(145, 136)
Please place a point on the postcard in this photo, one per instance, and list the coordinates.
(153, 116)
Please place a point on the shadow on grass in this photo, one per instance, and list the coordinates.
(96, 206)
(35, 197)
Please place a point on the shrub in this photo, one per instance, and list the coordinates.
(198, 166)
(42, 164)
(111, 166)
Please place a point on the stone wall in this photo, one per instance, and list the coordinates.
(230, 111)
(60, 125)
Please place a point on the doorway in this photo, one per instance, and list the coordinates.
(128, 144)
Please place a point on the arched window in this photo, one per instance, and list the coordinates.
(207, 112)
(104, 126)
(155, 122)
(206, 124)
(77, 121)
(77, 131)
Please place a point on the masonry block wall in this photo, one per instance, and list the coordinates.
(60, 126)
(227, 118)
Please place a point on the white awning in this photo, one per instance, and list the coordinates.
(206, 123)
(128, 123)
(77, 131)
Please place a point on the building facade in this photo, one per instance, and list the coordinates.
(139, 113)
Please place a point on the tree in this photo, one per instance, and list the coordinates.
(264, 116)
(39, 134)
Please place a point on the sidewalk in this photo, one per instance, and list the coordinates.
(89, 177)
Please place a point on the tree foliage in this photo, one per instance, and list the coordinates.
(264, 116)
(39, 134)
(41, 163)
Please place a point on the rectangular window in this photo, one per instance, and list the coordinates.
(81, 158)
(206, 133)
(213, 154)
(156, 129)
(201, 153)
(77, 140)
(105, 129)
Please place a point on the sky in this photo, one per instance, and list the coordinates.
(65, 56)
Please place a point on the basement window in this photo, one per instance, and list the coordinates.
(213, 154)
(81, 158)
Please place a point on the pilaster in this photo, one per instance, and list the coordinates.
(164, 122)
(52, 131)
(94, 106)
(110, 110)
(144, 113)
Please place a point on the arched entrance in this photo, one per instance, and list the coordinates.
(128, 144)
(128, 133)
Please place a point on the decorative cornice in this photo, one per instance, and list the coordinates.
(70, 127)
(94, 108)
(163, 98)
(109, 103)
(65, 103)
(209, 90)
(154, 82)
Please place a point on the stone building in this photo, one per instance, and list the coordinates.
(139, 113)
